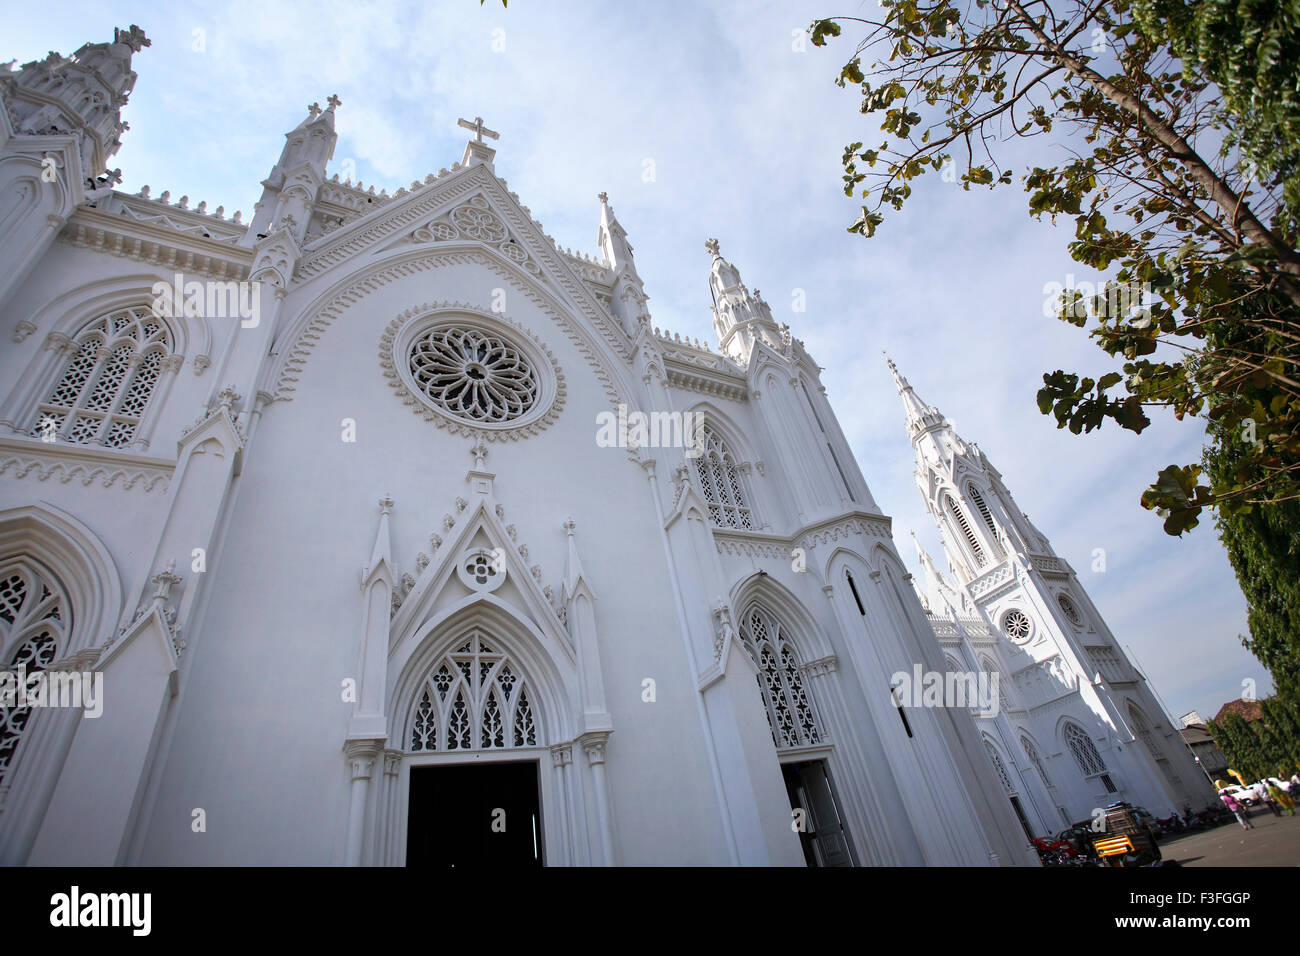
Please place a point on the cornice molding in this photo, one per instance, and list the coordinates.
(155, 245)
(21, 457)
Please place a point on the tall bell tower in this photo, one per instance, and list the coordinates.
(1053, 642)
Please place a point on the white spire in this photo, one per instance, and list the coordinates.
(739, 317)
(920, 416)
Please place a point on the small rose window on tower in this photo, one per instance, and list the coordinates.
(1017, 626)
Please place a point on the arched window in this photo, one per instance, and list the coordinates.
(1069, 609)
(974, 495)
(720, 482)
(991, 669)
(474, 699)
(1000, 767)
(789, 712)
(960, 522)
(1084, 751)
(1032, 753)
(102, 393)
(33, 618)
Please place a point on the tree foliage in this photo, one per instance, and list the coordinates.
(1261, 748)
(1263, 545)
(1181, 138)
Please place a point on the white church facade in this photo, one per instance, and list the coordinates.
(319, 502)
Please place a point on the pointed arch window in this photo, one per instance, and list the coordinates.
(1000, 767)
(967, 533)
(790, 713)
(473, 699)
(33, 620)
(720, 482)
(1084, 750)
(102, 393)
(1032, 753)
(995, 539)
(988, 667)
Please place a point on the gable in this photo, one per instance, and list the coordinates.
(482, 225)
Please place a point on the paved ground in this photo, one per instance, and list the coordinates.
(1275, 841)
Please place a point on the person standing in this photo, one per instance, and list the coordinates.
(1281, 798)
(1237, 811)
(1267, 799)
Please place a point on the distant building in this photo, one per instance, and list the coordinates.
(1190, 718)
(1247, 710)
(1206, 751)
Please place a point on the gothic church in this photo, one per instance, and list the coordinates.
(329, 523)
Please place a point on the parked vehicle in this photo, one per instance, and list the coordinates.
(1053, 852)
(1146, 818)
(1214, 815)
(1171, 825)
(1125, 840)
(1283, 785)
(1247, 796)
(1079, 836)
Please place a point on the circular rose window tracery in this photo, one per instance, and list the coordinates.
(1017, 626)
(472, 372)
(473, 375)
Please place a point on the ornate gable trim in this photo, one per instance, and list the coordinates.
(282, 378)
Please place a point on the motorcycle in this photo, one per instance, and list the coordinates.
(1171, 825)
(1056, 852)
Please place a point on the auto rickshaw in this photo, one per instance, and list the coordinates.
(1124, 840)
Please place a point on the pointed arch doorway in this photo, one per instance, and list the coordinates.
(472, 800)
(803, 749)
(483, 748)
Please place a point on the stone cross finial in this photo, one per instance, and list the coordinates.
(385, 504)
(479, 129)
(314, 110)
(570, 526)
(333, 100)
(604, 199)
(134, 38)
(711, 247)
(479, 451)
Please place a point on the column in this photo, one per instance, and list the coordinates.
(361, 756)
(594, 747)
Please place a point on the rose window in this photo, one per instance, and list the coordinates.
(473, 375)
(1017, 626)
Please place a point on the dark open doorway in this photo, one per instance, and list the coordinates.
(472, 815)
(816, 814)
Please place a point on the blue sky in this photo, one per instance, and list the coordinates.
(743, 128)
